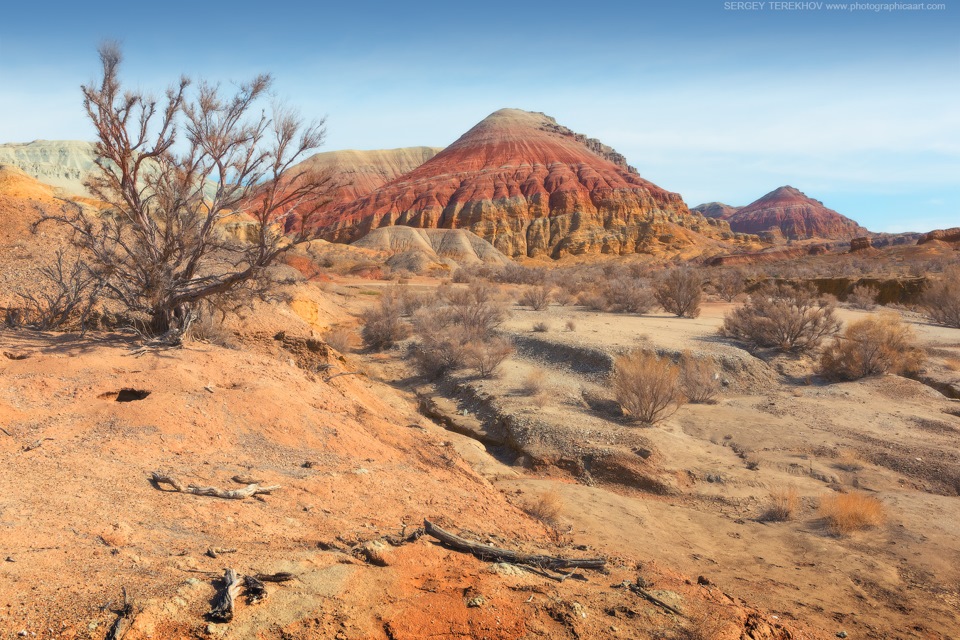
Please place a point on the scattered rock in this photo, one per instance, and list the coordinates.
(476, 601)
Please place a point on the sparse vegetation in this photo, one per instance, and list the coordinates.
(941, 298)
(646, 386)
(863, 297)
(730, 283)
(872, 346)
(571, 325)
(791, 319)
(541, 327)
(486, 355)
(383, 324)
(171, 173)
(698, 378)
(340, 338)
(783, 504)
(533, 383)
(62, 293)
(620, 295)
(679, 291)
(536, 297)
(546, 507)
(846, 513)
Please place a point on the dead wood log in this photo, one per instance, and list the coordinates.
(495, 554)
(282, 576)
(6, 432)
(254, 589)
(158, 478)
(223, 602)
(649, 597)
(125, 617)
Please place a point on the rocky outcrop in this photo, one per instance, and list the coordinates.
(716, 210)
(860, 244)
(423, 250)
(796, 216)
(357, 173)
(950, 236)
(531, 188)
(59, 163)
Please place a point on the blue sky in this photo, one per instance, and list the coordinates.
(857, 108)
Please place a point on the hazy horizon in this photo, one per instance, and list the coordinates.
(855, 108)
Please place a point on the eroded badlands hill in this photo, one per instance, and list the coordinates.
(532, 188)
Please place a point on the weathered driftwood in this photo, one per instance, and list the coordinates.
(282, 576)
(222, 609)
(646, 595)
(489, 553)
(254, 589)
(125, 617)
(230, 494)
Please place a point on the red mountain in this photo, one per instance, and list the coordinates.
(532, 188)
(795, 215)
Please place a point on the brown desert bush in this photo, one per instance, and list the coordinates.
(564, 298)
(629, 295)
(941, 298)
(786, 318)
(546, 507)
(698, 378)
(340, 338)
(679, 291)
(478, 307)
(533, 383)
(646, 386)
(485, 356)
(541, 327)
(783, 504)
(536, 297)
(872, 346)
(863, 297)
(383, 324)
(730, 283)
(572, 326)
(849, 512)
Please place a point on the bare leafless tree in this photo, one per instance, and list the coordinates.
(65, 292)
(171, 172)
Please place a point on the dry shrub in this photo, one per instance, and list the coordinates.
(477, 307)
(546, 507)
(646, 386)
(533, 383)
(698, 378)
(572, 326)
(870, 347)
(679, 291)
(458, 330)
(540, 399)
(941, 298)
(383, 324)
(730, 283)
(783, 504)
(848, 460)
(953, 364)
(564, 298)
(537, 298)
(441, 343)
(340, 338)
(630, 295)
(863, 297)
(786, 318)
(541, 327)
(619, 295)
(849, 512)
(208, 328)
(485, 356)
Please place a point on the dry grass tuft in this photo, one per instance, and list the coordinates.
(848, 460)
(784, 503)
(546, 507)
(849, 512)
(533, 383)
(646, 386)
(541, 327)
(699, 378)
(572, 326)
(340, 338)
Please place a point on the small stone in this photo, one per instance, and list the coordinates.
(842, 634)
(23, 633)
(702, 580)
(477, 601)
(10, 559)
